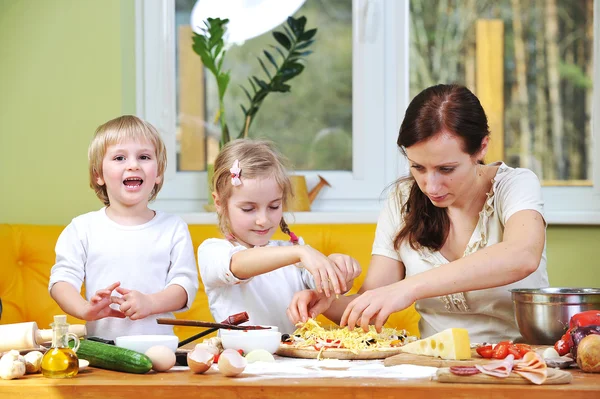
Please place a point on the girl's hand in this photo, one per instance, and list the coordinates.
(375, 306)
(134, 304)
(99, 305)
(323, 270)
(349, 267)
(307, 303)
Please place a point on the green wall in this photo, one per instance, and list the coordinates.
(66, 66)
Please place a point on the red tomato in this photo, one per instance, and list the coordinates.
(500, 351)
(523, 349)
(513, 350)
(485, 351)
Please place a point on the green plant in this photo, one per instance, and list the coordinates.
(287, 64)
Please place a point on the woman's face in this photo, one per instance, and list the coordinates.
(443, 171)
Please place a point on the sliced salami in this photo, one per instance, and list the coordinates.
(464, 370)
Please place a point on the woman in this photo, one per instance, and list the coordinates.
(454, 237)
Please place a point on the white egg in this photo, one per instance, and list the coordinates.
(231, 363)
(162, 357)
(199, 360)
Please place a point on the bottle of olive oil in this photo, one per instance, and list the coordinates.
(60, 361)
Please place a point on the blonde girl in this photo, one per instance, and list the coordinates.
(247, 271)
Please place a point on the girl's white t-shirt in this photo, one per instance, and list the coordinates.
(264, 297)
(487, 314)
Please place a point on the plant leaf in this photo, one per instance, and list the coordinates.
(307, 35)
(222, 82)
(304, 45)
(247, 93)
(282, 39)
(270, 58)
(262, 64)
(279, 51)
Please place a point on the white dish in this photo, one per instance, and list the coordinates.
(249, 340)
(141, 343)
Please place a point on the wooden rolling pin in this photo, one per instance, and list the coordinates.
(27, 335)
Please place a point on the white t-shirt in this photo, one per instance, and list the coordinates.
(147, 258)
(487, 314)
(265, 297)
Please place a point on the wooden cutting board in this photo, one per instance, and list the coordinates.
(555, 377)
(342, 354)
(422, 360)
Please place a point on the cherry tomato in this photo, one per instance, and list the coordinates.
(485, 351)
(561, 347)
(513, 350)
(500, 351)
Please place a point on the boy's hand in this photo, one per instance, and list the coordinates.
(99, 305)
(349, 267)
(323, 270)
(307, 303)
(133, 304)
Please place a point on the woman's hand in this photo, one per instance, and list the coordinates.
(375, 306)
(349, 267)
(134, 304)
(99, 305)
(323, 270)
(307, 303)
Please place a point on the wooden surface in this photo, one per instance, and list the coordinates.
(342, 354)
(422, 360)
(96, 383)
(555, 377)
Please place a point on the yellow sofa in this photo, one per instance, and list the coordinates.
(27, 255)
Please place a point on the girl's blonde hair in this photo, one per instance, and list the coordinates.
(115, 131)
(258, 159)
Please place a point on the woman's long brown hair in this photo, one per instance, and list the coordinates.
(442, 108)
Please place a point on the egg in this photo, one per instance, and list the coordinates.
(209, 347)
(231, 363)
(199, 360)
(162, 357)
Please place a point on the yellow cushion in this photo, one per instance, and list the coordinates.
(27, 255)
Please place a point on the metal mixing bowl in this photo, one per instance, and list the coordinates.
(543, 314)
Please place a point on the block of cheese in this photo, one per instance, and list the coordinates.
(451, 344)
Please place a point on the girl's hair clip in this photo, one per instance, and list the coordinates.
(235, 173)
(293, 238)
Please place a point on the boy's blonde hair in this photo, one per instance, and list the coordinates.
(258, 159)
(116, 131)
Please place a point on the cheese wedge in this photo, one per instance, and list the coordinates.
(451, 344)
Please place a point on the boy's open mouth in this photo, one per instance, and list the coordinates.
(133, 182)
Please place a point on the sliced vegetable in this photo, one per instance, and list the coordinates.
(112, 357)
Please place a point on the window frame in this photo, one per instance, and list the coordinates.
(380, 88)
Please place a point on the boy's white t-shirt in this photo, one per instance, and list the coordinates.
(265, 297)
(487, 314)
(147, 258)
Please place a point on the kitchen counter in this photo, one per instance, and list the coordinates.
(97, 383)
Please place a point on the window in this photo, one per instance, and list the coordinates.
(388, 68)
(531, 63)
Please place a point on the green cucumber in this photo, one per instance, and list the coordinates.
(112, 357)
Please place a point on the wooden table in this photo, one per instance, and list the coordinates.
(97, 383)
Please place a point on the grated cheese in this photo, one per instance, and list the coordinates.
(312, 335)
